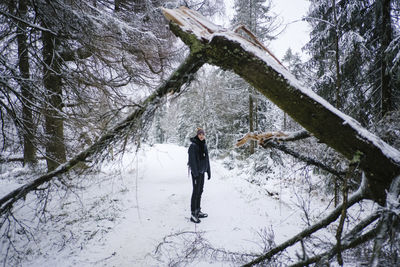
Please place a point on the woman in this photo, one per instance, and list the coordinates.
(199, 164)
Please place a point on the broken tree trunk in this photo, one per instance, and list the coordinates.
(254, 63)
(180, 76)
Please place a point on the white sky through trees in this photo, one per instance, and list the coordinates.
(296, 33)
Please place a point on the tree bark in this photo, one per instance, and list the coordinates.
(256, 65)
(26, 93)
(54, 122)
(251, 119)
(338, 82)
(386, 30)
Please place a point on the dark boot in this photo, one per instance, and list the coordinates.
(202, 214)
(195, 217)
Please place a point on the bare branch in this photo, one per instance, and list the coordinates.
(345, 190)
(27, 23)
(79, 53)
(355, 198)
(357, 241)
(181, 75)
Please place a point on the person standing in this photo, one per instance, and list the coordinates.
(199, 164)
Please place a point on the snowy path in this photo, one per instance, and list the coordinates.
(237, 211)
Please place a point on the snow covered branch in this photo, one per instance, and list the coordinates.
(264, 138)
(352, 239)
(273, 139)
(329, 254)
(356, 197)
(130, 124)
(26, 22)
(229, 50)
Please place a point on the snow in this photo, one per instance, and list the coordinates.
(237, 210)
(136, 203)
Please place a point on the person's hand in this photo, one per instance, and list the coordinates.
(209, 176)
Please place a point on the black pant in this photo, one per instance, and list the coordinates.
(198, 184)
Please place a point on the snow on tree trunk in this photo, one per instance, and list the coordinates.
(254, 63)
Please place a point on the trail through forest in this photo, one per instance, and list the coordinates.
(239, 214)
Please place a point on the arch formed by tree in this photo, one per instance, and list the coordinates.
(249, 59)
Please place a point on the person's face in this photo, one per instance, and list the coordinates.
(201, 136)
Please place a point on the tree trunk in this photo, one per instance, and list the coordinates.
(285, 121)
(259, 67)
(251, 119)
(27, 95)
(117, 5)
(338, 85)
(54, 123)
(337, 57)
(386, 30)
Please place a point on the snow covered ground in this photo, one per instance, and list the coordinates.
(158, 205)
(138, 215)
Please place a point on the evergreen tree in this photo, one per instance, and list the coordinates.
(350, 55)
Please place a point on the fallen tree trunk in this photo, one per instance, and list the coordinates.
(255, 64)
(179, 77)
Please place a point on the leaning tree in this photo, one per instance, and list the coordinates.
(379, 162)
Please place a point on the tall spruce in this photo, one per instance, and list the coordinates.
(352, 48)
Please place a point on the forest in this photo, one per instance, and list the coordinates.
(86, 84)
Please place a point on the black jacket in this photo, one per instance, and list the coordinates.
(198, 161)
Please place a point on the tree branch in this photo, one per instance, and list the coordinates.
(263, 138)
(356, 197)
(180, 76)
(79, 53)
(27, 23)
(304, 158)
(329, 254)
(345, 190)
